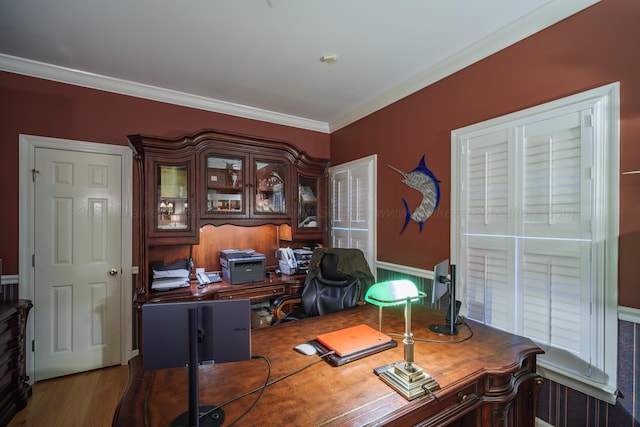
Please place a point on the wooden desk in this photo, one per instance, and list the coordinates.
(265, 290)
(487, 380)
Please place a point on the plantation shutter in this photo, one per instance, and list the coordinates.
(535, 228)
(353, 207)
(526, 233)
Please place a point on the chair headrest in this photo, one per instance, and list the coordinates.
(329, 267)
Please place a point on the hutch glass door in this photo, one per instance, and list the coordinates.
(173, 188)
(307, 202)
(270, 187)
(225, 192)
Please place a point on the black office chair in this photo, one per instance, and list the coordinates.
(337, 280)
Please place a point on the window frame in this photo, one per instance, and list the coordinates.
(353, 222)
(605, 174)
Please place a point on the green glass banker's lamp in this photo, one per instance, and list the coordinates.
(405, 377)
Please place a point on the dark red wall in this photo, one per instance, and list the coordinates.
(41, 107)
(592, 48)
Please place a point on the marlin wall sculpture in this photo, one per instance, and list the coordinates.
(423, 180)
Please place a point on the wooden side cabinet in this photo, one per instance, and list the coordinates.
(14, 389)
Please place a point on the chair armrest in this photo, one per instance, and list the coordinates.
(280, 303)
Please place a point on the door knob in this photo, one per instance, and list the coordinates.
(113, 271)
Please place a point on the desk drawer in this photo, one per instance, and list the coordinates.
(262, 293)
(295, 288)
(455, 406)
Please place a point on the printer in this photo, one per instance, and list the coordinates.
(242, 266)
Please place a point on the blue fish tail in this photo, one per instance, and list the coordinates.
(407, 216)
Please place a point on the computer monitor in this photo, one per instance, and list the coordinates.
(224, 332)
(440, 284)
(178, 334)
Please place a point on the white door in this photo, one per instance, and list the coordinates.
(77, 261)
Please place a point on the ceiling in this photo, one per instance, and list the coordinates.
(262, 58)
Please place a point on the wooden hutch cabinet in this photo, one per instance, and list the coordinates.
(217, 178)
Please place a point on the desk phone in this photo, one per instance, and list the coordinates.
(207, 278)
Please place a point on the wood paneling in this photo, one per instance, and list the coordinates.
(262, 239)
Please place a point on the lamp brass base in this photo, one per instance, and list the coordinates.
(409, 383)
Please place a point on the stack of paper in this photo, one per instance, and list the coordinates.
(169, 279)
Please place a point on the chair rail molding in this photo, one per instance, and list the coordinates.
(629, 314)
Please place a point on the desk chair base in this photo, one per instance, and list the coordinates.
(214, 419)
(410, 384)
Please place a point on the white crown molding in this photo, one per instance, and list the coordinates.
(56, 73)
(549, 14)
(545, 16)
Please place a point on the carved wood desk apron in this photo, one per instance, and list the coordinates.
(488, 379)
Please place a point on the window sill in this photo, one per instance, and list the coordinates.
(600, 391)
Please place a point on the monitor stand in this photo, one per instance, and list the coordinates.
(213, 418)
(452, 312)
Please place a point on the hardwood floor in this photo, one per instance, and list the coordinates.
(84, 399)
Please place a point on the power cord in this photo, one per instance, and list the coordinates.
(262, 388)
(427, 391)
(394, 334)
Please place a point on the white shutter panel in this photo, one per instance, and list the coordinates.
(554, 190)
(554, 312)
(340, 199)
(359, 196)
(489, 281)
(489, 188)
(555, 304)
(362, 209)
